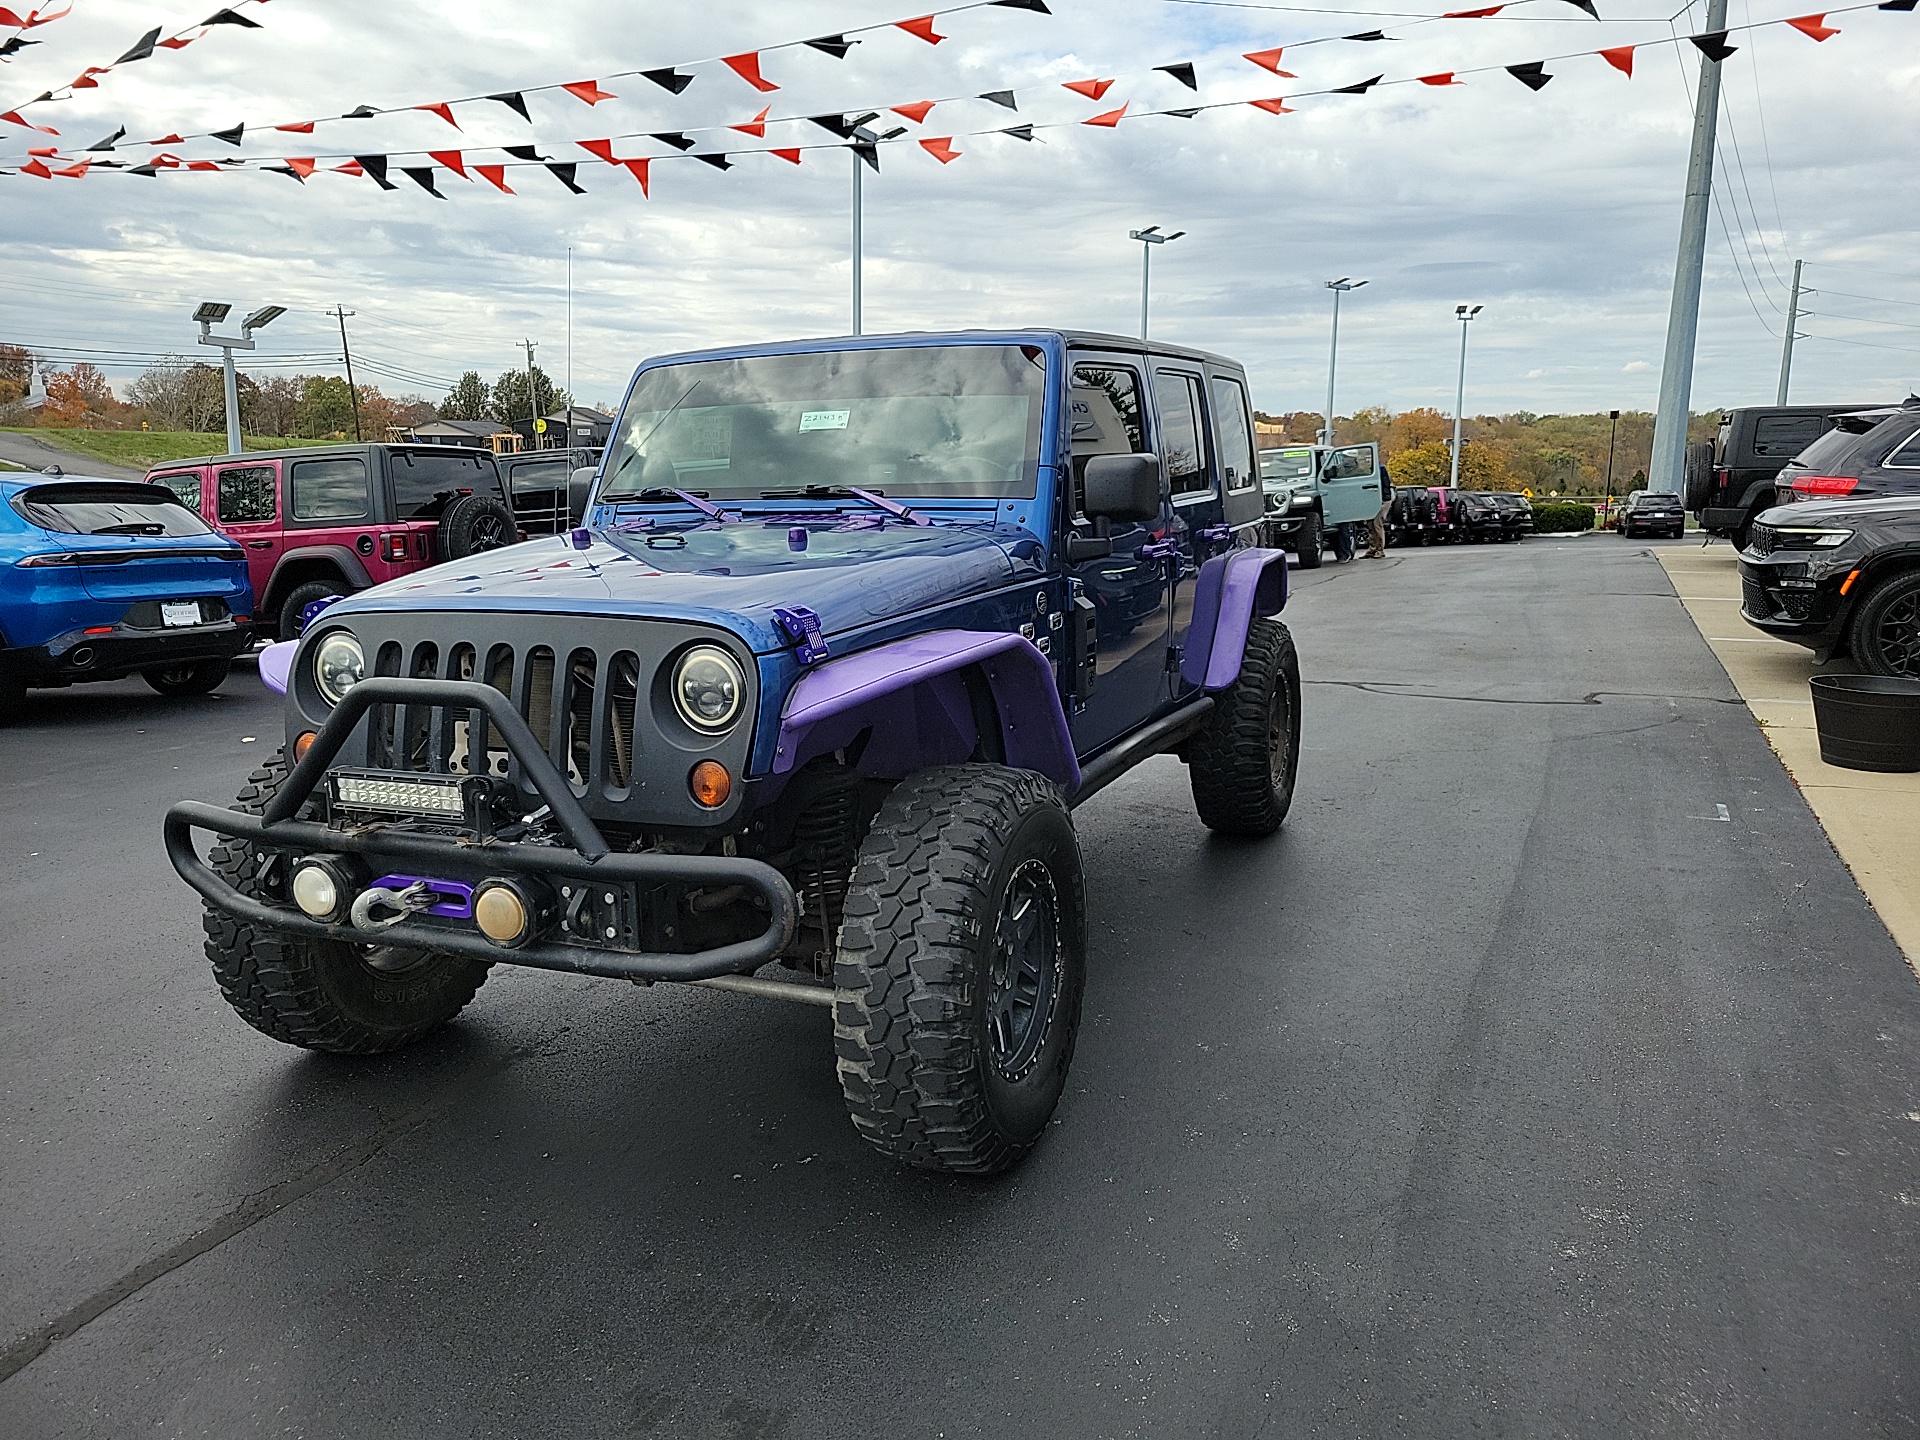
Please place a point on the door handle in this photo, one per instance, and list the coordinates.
(259, 544)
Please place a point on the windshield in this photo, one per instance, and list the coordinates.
(109, 509)
(1286, 466)
(927, 423)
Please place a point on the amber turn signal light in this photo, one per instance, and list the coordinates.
(710, 784)
(1847, 584)
(301, 745)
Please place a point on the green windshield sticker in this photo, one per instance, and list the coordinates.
(824, 420)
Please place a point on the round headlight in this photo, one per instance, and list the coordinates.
(708, 688)
(338, 666)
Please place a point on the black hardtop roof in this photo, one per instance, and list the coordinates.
(1133, 344)
(1726, 416)
(320, 452)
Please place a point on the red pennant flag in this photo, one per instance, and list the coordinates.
(792, 157)
(163, 140)
(301, 165)
(1620, 57)
(747, 67)
(37, 167)
(496, 176)
(85, 80)
(443, 110)
(1276, 106)
(1092, 89)
(923, 27)
(305, 127)
(166, 162)
(44, 152)
(589, 91)
(603, 149)
(178, 44)
(1110, 119)
(352, 167)
(76, 171)
(1473, 14)
(202, 165)
(1811, 26)
(451, 159)
(1444, 77)
(1266, 59)
(640, 169)
(13, 117)
(916, 112)
(941, 148)
(756, 127)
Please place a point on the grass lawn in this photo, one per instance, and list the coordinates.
(139, 448)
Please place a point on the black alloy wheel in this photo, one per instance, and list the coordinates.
(1024, 978)
(1886, 628)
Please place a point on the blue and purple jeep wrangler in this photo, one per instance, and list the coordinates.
(802, 711)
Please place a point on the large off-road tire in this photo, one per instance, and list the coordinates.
(1697, 488)
(1884, 636)
(324, 994)
(1242, 763)
(200, 678)
(473, 525)
(961, 962)
(1312, 538)
(299, 598)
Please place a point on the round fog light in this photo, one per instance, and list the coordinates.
(316, 890)
(502, 913)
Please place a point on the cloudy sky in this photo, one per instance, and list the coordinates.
(1557, 211)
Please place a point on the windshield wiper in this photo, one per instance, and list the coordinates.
(132, 527)
(656, 494)
(848, 492)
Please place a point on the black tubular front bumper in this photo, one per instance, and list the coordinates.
(587, 859)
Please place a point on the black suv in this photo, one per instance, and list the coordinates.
(1864, 457)
(548, 488)
(1652, 512)
(1841, 577)
(1730, 478)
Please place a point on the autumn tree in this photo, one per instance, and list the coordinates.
(75, 396)
(325, 408)
(1482, 466)
(511, 397)
(470, 399)
(16, 373)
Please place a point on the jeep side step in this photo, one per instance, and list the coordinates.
(1166, 733)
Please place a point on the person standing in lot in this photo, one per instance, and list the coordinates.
(1377, 528)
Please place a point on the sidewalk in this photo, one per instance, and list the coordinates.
(1873, 820)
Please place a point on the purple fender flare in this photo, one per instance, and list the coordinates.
(912, 695)
(276, 665)
(1233, 590)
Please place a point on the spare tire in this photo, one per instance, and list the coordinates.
(1699, 470)
(474, 524)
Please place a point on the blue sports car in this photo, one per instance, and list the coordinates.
(101, 579)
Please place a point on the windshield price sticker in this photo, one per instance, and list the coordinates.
(824, 420)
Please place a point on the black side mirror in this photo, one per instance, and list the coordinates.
(578, 485)
(1122, 487)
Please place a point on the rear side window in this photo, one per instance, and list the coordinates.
(1106, 412)
(1182, 443)
(1829, 449)
(1906, 456)
(329, 489)
(1234, 431)
(185, 485)
(107, 510)
(547, 475)
(245, 496)
(425, 484)
(1781, 437)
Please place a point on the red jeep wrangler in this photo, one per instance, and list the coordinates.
(335, 519)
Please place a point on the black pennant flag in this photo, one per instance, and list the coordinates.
(1182, 72)
(15, 45)
(376, 168)
(360, 112)
(1019, 132)
(1001, 97)
(668, 79)
(564, 174)
(231, 137)
(1533, 74)
(152, 172)
(1360, 89)
(1038, 6)
(835, 45)
(284, 170)
(869, 153)
(1887, 5)
(423, 177)
(142, 47)
(524, 152)
(1586, 5)
(1181, 114)
(230, 17)
(836, 124)
(114, 139)
(718, 162)
(515, 102)
(1366, 35)
(673, 138)
(1714, 46)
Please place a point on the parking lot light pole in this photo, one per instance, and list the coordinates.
(1148, 238)
(1338, 287)
(1613, 416)
(1466, 314)
(212, 313)
(866, 151)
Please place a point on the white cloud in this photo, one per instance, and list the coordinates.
(1557, 211)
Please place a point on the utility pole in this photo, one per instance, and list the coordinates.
(533, 401)
(1338, 287)
(341, 313)
(1668, 470)
(1793, 321)
(569, 340)
(1465, 314)
(1613, 431)
(857, 204)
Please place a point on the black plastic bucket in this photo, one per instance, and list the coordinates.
(1868, 722)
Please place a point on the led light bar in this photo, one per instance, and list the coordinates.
(412, 797)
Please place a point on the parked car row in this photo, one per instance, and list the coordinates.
(1435, 515)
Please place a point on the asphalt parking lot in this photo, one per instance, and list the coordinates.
(1547, 1075)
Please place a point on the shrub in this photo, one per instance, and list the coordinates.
(1558, 518)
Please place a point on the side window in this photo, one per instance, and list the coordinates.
(245, 497)
(1907, 457)
(1786, 435)
(1182, 436)
(1106, 411)
(329, 489)
(185, 485)
(1233, 431)
(1351, 463)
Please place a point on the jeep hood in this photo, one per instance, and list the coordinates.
(851, 571)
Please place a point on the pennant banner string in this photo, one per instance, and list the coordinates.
(141, 49)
